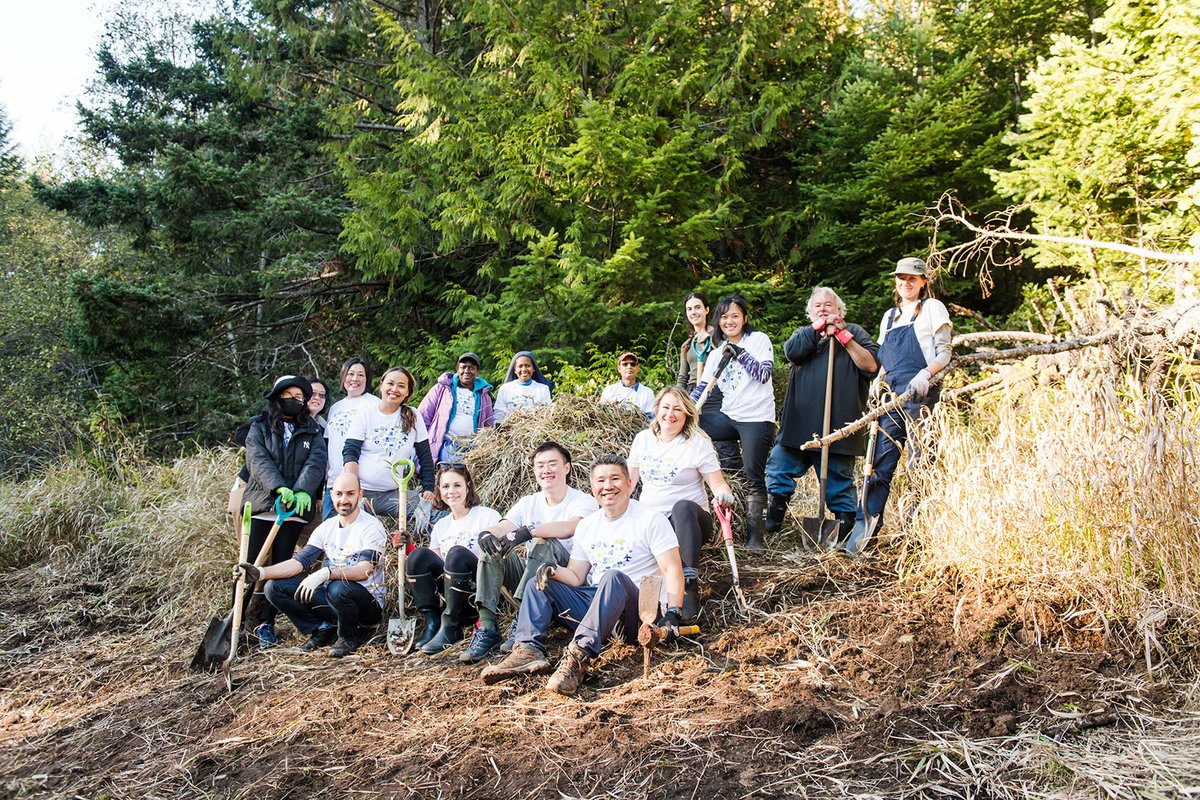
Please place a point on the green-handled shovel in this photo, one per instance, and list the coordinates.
(402, 629)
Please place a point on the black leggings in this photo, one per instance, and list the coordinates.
(755, 438)
(459, 561)
(283, 548)
(693, 527)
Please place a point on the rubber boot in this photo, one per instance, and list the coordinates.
(459, 589)
(755, 506)
(776, 510)
(845, 525)
(691, 601)
(424, 592)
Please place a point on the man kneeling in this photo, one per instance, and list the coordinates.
(597, 591)
(344, 598)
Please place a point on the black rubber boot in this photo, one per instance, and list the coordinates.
(845, 525)
(691, 601)
(755, 506)
(776, 510)
(459, 589)
(424, 592)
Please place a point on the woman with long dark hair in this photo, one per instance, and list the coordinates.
(285, 459)
(698, 345)
(443, 574)
(355, 379)
(382, 434)
(745, 413)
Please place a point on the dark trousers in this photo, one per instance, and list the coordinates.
(755, 439)
(893, 435)
(693, 527)
(594, 613)
(346, 603)
(283, 548)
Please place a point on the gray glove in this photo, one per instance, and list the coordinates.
(251, 572)
(723, 499)
(542, 576)
(920, 384)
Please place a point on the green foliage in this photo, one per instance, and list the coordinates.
(1109, 145)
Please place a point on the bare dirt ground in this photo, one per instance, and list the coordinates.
(839, 682)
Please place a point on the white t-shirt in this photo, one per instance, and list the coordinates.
(745, 399)
(534, 509)
(672, 471)
(638, 395)
(342, 545)
(449, 531)
(516, 396)
(384, 443)
(933, 316)
(630, 543)
(339, 421)
(463, 421)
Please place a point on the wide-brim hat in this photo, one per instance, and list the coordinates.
(287, 382)
(910, 266)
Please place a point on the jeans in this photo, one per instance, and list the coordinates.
(755, 439)
(787, 464)
(326, 505)
(592, 612)
(283, 548)
(346, 603)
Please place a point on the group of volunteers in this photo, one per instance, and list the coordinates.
(560, 554)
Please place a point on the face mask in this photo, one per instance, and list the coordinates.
(291, 406)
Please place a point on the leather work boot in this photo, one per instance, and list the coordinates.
(424, 593)
(777, 506)
(459, 589)
(323, 636)
(572, 669)
(523, 660)
(755, 506)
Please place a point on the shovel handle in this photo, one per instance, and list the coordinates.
(403, 471)
(281, 513)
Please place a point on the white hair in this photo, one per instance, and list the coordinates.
(823, 290)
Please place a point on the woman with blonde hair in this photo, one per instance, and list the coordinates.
(673, 459)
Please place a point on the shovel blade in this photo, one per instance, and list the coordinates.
(400, 636)
(214, 647)
(819, 533)
(648, 594)
(861, 534)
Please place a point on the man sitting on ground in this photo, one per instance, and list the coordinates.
(344, 598)
(597, 590)
(547, 519)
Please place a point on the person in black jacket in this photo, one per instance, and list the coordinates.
(854, 364)
(285, 459)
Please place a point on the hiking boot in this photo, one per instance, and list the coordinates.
(323, 636)
(510, 638)
(523, 660)
(572, 669)
(483, 643)
(777, 506)
(345, 645)
(266, 636)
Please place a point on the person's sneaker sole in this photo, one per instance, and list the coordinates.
(492, 675)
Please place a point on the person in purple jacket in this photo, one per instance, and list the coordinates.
(457, 406)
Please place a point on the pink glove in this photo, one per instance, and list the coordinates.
(844, 336)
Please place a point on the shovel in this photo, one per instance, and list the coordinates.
(864, 528)
(650, 634)
(725, 359)
(220, 642)
(820, 530)
(401, 629)
(725, 516)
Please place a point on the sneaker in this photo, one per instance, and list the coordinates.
(483, 642)
(510, 638)
(323, 636)
(572, 669)
(266, 636)
(523, 660)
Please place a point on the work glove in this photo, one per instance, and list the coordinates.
(837, 322)
(308, 586)
(920, 384)
(844, 336)
(286, 495)
(490, 544)
(303, 502)
(723, 499)
(819, 324)
(542, 576)
(737, 350)
(671, 621)
(251, 572)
